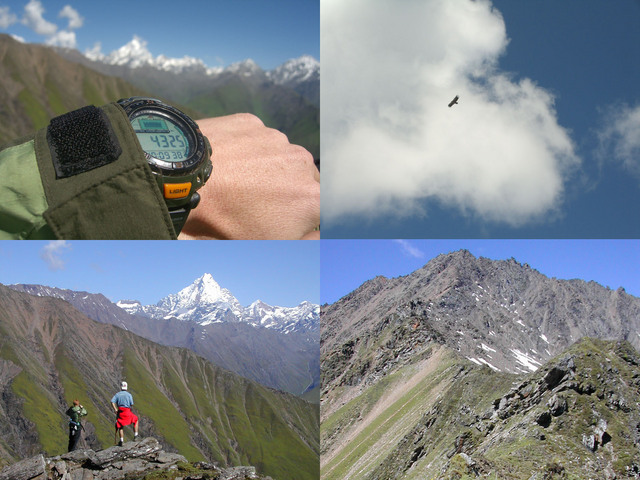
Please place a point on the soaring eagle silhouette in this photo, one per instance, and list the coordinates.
(454, 101)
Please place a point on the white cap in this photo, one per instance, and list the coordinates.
(123, 386)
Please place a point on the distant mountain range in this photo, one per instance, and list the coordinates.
(475, 368)
(42, 82)
(275, 346)
(294, 73)
(50, 353)
(205, 302)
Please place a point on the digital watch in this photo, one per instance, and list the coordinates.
(178, 153)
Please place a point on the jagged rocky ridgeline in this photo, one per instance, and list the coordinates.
(502, 314)
(133, 461)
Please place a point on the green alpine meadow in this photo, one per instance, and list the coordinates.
(51, 354)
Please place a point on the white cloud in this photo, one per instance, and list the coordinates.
(63, 38)
(390, 142)
(33, 19)
(620, 139)
(52, 252)
(18, 38)
(6, 17)
(409, 249)
(75, 20)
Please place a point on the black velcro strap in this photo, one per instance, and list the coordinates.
(80, 141)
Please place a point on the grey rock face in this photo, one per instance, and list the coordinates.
(25, 469)
(557, 405)
(502, 314)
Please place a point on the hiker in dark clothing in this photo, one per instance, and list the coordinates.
(75, 413)
(121, 403)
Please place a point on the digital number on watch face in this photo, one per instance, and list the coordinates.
(161, 138)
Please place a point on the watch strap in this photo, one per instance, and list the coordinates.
(179, 214)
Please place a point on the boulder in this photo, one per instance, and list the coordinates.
(108, 456)
(544, 419)
(590, 441)
(555, 376)
(557, 405)
(24, 469)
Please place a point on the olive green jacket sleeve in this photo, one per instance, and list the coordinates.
(119, 200)
(22, 198)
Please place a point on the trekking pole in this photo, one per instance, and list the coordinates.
(116, 427)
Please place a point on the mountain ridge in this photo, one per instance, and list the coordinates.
(489, 301)
(440, 374)
(288, 362)
(205, 302)
(135, 54)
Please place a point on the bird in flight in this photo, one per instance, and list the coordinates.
(454, 101)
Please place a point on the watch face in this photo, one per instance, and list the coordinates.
(162, 138)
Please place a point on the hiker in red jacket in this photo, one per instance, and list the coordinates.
(122, 402)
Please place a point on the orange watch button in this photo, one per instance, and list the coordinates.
(177, 190)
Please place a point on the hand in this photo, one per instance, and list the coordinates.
(261, 187)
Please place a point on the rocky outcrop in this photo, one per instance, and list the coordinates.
(134, 460)
(572, 418)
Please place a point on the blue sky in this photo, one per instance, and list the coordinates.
(545, 140)
(219, 32)
(347, 264)
(282, 273)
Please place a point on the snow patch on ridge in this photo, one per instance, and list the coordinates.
(525, 360)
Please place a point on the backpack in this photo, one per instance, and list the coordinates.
(74, 414)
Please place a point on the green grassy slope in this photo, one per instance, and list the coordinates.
(447, 418)
(37, 85)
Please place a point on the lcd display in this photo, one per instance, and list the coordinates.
(153, 125)
(161, 138)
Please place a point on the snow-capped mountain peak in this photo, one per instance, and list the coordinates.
(135, 54)
(133, 307)
(205, 290)
(296, 70)
(246, 67)
(204, 297)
